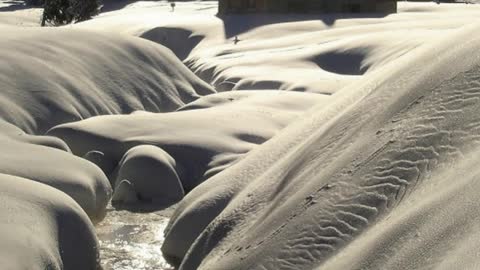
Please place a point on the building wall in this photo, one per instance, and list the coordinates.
(307, 6)
(387, 6)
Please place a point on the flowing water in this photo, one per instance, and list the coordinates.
(132, 241)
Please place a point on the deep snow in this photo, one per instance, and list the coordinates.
(366, 160)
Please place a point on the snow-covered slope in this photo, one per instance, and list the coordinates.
(366, 182)
(53, 76)
(314, 53)
(377, 172)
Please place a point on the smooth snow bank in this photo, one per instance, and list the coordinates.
(203, 138)
(47, 160)
(43, 228)
(53, 76)
(380, 178)
(314, 53)
(153, 174)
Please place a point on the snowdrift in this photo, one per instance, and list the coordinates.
(43, 228)
(313, 53)
(382, 177)
(47, 160)
(152, 175)
(53, 76)
(379, 173)
(200, 140)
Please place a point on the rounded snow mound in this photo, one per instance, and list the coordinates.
(53, 76)
(153, 174)
(43, 228)
(46, 160)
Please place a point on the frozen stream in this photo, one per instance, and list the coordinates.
(132, 241)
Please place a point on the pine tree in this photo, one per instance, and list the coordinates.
(60, 12)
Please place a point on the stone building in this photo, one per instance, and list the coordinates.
(307, 6)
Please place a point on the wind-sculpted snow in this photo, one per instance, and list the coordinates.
(47, 160)
(437, 228)
(380, 174)
(294, 203)
(43, 228)
(203, 138)
(53, 76)
(319, 53)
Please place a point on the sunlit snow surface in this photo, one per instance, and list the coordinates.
(132, 241)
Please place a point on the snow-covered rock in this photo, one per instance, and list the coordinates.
(153, 174)
(125, 193)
